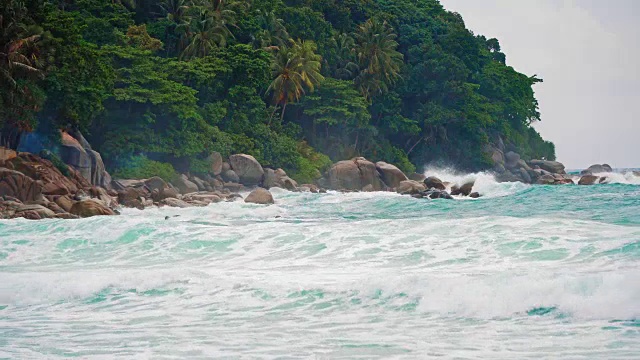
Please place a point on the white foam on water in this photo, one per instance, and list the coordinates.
(626, 177)
(484, 183)
(322, 274)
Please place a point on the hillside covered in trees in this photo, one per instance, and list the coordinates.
(157, 85)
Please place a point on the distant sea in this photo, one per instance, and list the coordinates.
(525, 272)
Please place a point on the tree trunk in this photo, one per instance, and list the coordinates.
(275, 108)
(284, 108)
(414, 145)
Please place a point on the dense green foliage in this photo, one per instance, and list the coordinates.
(168, 82)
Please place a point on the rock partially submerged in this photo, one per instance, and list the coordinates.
(597, 169)
(260, 196)
(391, 175)
(433, 182)
(354, 175)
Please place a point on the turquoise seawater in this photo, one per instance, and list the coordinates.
(527, 272)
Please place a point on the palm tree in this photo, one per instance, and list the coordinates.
(19, 52)
(175, 10)
(209, 26)
(20, 61)
(346, 68)
(294, 68)
(273, 33)
(378, 59)
(203, 35)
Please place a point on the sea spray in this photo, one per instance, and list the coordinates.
(544, 271)
(484, 182)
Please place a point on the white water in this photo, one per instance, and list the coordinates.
(536, 274)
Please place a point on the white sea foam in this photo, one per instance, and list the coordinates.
(327, 276)
(484, 183)
(624, 177)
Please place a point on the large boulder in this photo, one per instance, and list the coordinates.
(511, 159)
(260, 196)
(551, 166)
(433, 182)
(546, 180)
(90, 208)
(278, 178)
(410, 187)
(75, 155)
(156, 183)
(465, 189)
(185, 186)
(270, 179)
(52, 180)
(216, 163)
(248, 169)
(132, 197)
(597, 169)
(230, 176)
(17, 185)
(588, 179)
(391, 175)
(354, 175)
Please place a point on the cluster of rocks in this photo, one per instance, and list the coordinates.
(509, 167)
(360, 174)
(34, 188)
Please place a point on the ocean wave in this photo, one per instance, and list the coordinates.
(484, 182)
(623, 177)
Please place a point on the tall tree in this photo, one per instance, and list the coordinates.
(272, 33)
(295, 69)
(377, 56)
(20, 63)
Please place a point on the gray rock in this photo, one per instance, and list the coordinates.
(391, 175)
(410, 187)
(260, 196)
(199, 183)
(511, 159)
(73, 154)
(550, 166)
(546, 180)
(597, 169)
(155, 183)
(248, 169)
(588, 179)
(433, 182)
(230, 176)
(216, 163)
(185, 186)
(172, 202)
(524, 174)
(353, 175)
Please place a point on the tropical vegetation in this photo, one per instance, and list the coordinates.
(296, 83)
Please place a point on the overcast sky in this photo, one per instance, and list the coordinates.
(587, 52)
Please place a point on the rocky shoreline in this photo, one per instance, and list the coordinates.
(32, 187)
